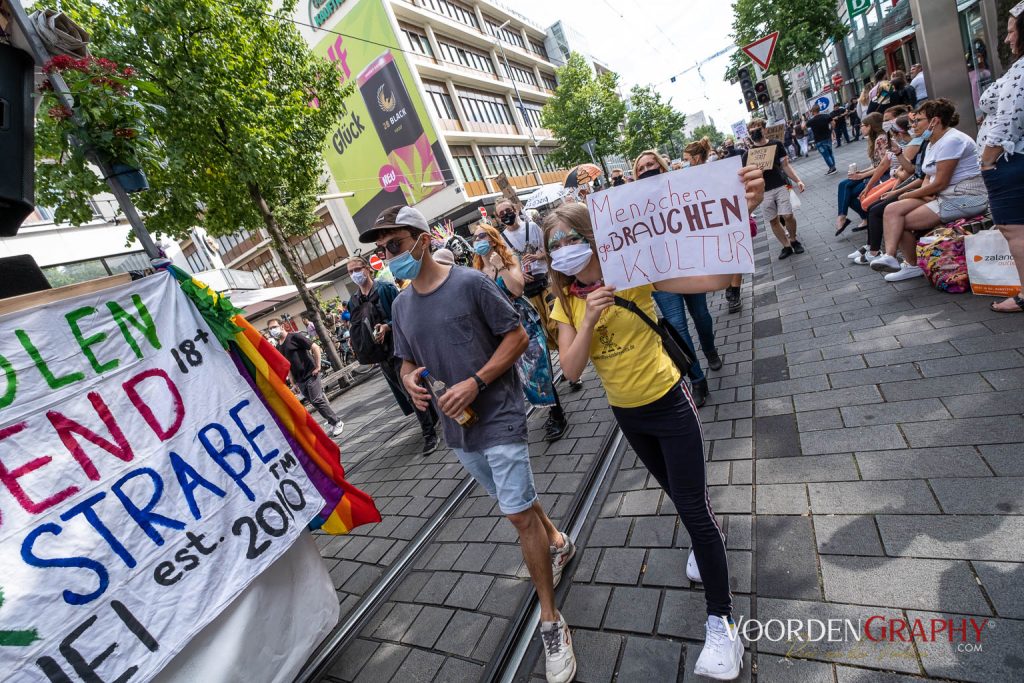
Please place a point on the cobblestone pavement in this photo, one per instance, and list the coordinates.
(865, 458)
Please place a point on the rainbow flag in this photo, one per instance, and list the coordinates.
(265, 369)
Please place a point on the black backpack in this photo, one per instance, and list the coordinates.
(366, 314)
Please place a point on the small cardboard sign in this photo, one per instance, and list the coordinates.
(777, 132)
(763, 157)
(679, 224)
(507, 190)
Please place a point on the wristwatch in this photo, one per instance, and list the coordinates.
(480, 384)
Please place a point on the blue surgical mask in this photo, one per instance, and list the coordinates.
(404, 266)
(927, 135)
(483, 247)
(359, 277)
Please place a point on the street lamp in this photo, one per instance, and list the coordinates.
(508, 72)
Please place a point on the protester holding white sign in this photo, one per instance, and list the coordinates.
(627, 347)
(143, 483)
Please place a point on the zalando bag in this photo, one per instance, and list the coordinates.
(990, 266)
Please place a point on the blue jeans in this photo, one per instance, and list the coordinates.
(849, 197)
(825, 150)
(673, 308)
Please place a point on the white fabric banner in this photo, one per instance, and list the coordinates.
(688, 222)
(143, 484)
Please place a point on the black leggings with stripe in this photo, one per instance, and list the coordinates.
(666, 436)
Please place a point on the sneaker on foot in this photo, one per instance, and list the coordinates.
(857, 253)
(785, 253)
(337, 428)
(429, 445)
(575, 386)
(886, 264)
(830, 171)
(797, 247)
(692, 571)
(699, 391)
(722, 656)
(559, 659)
(732, 294)
(735, 306)
(555, 427)
(714, 360)
(906, 272)
(866, 258)
(560, 557)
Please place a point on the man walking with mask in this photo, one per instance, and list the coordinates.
(454, 325)
(371, 337)
(304, 358)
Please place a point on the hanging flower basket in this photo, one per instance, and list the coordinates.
(132, 179)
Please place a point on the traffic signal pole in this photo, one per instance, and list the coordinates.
(60, 88)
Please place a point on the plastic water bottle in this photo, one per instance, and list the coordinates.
(437, 389)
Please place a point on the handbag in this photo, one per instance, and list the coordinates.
(876, 192)
(990, 265)
(674, 344)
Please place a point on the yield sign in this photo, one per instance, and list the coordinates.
(762, 49)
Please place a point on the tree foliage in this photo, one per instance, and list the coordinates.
(804, 27)
(246, 110)
(650, 123)
(585, 107)
(714, 136)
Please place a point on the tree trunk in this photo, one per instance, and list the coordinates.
(280, 242)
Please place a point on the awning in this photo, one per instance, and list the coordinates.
(899, 35)
(256, 301)
(964, 4)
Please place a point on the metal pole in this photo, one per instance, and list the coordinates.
(508, 72)
(60, 88)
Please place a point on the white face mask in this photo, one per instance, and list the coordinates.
(888, 126)
(275, 332)
(359, 277)
(572, 259)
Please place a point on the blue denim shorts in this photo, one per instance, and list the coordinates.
(504, 472)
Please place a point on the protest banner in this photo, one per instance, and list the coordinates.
(762, 156)
(144, 483)
(688, 222)
(776, 132)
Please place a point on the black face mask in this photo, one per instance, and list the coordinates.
(648, 174)
(757, 135)
(508, 218)
(618, 181)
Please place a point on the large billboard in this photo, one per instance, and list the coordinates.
(384, 148)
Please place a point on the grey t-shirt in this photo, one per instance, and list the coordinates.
(453, 332)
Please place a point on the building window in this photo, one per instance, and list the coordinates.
(512, 160)
(442, 101)
(196, 262)
(265, 270)
(520, 73)
(90, 269)
(549, 81)
(484, 107)
(417, 41)
(507, 35)
(531, 114)
(454, 10)
(466, 162)
(465, 56)
(544, 163)
(537, 48)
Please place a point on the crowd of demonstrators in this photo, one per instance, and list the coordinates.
(372, 340)
(496, 260)
(1001, 142)
(657, 415)
(453, 325)
(304, 358)
(776, 206)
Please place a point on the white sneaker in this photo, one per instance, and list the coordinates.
(560, 557)
(886, 264)
(857, 253)
(722, 656)
(559, 659)
(906, 272)
(339, 427)
(692, 570)
(866, 258)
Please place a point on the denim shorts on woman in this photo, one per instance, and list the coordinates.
(504, 472)
(1004, 183)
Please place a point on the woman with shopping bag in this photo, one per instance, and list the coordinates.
(1001, 140)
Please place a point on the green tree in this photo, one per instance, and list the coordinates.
(714, 136)
(804, 27)
(650, 123)
(244, 110)
(585, 107)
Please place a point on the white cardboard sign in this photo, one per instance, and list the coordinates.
(143, 484)
(688, 222)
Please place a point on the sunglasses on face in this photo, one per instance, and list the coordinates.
(480, 237)
(392, 247)
(507, 213)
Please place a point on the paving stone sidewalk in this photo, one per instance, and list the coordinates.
(866, 457)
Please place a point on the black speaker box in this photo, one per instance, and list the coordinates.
(17, 139)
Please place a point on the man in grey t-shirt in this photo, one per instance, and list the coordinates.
(458, 325)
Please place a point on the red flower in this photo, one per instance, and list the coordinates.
(128, 71)
(46, 86)
(59, 63)
(127, 133)
(60, 112)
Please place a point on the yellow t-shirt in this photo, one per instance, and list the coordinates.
(626, 352)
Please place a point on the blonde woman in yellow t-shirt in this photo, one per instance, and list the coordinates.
(652, 406)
